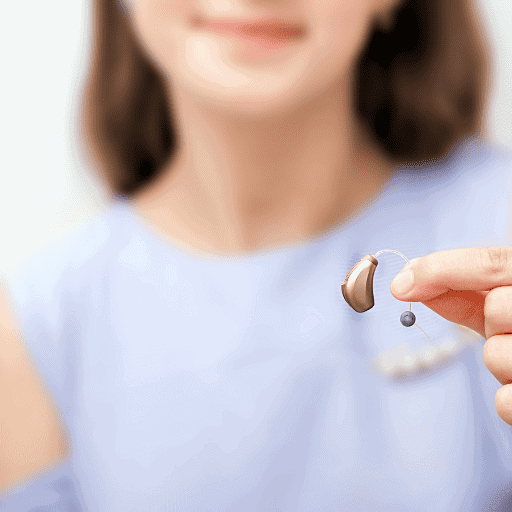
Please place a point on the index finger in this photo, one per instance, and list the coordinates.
(478, 269)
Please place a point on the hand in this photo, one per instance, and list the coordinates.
(471, 287)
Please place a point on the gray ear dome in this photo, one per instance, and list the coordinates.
(357, 289)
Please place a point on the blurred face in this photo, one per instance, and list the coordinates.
(253, 70)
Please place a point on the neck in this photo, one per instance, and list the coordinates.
(250, 183)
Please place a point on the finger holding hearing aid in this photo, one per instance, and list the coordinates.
(471, 287)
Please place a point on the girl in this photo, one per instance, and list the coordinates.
(194, 339)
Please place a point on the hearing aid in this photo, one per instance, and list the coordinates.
(357, 289)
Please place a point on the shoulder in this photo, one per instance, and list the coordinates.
(64, 263)
(51, 293)
(473, 164)
(483, 158)
(35, 301)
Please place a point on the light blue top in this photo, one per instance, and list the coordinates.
(197, 384)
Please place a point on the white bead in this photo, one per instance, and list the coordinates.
(386, 363)
(428, 356)
(407, 365)
(448, 348)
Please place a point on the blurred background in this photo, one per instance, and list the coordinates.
(46, 188)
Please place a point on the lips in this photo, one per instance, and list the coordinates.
(261, 28)
(271, 30)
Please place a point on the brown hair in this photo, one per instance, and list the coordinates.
(421, 89)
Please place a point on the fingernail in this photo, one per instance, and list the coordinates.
(403, 283)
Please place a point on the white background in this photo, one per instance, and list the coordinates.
(46, 188)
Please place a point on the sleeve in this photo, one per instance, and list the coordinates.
(37, 292)
(55, 491)
(491, 191)
(38, 289)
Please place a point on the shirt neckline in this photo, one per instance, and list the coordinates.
(123, 206)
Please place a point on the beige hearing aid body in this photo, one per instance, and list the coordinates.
(357, 288)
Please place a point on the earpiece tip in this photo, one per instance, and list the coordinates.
(407, 318)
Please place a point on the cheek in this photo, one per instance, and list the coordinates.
(346, 22)
(159, 25)
(170, 9)
(340, 9)
(157, 15)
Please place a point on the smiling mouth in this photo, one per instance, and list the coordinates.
(269, 30)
